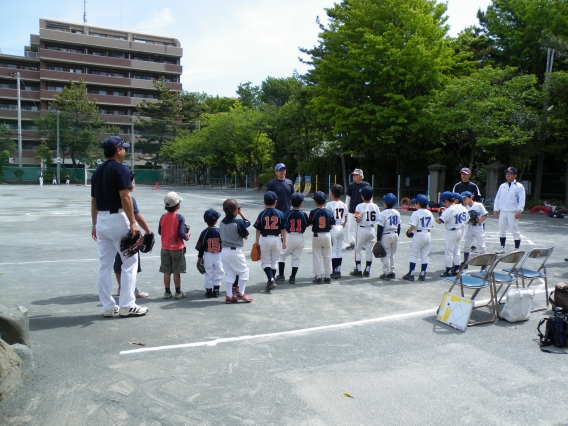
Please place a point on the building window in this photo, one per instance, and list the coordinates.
(145, 96)
(64, 69)
(30, 108)
(64, 49)
(142, 77)
(8, 86)
(55, 88)
(117, 55)
(113, 111)
(99, 35)
(28, 67)
(8, 106)
(109, 74)
(95, 53)
(119, 37)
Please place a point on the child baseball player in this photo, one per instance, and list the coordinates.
(233, 233)
(322, 221)
(339, 211)
(366, 216)
(508, 206)
(117, 267)
(453, 218)
(295, 223)
(209, 249)
(474, 233)
(388, 230)
(270, 229)
(173, 232)
(421, 222)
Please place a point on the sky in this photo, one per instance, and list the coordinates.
(225, 42)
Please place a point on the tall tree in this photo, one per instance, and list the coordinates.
(159, 121)
(7, 145)
(248, 95)
(374, 68)
(193, 105)
(79, 124)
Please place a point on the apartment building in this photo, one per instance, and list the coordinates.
(118, 67)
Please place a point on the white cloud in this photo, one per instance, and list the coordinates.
(160, 20)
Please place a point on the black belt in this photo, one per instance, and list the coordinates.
(385, 233)
(233, 248)
(365, 226)
(423, 230)
(113, 211)
(453, 229)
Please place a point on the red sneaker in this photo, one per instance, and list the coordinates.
(244, 297)
(229, 300)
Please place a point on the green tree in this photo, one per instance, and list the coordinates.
(7, 146)
(492, 112)
(278, 91)
(374, 69)
(159, 121)
(79, 124)
(557, 119)
(192, 107)
(249, 95)
(43, 154)
(220, 104)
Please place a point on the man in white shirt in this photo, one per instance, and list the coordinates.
(508, 206)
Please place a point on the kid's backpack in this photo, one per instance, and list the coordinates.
(555, 329)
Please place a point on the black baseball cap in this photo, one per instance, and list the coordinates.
(511, 170)
(114, 142)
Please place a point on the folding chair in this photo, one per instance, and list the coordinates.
(524, 273)
(502, 280)
(477, 283)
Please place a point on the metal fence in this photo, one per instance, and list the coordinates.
(31, 175)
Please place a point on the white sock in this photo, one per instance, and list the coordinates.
(242, 286)
(229, 288)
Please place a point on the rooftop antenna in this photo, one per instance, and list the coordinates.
(85, 12)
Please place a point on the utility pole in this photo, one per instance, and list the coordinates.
(58, 159)
(132, 140)
(85, 12)
(17, 76)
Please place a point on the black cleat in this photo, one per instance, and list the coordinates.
(408, 277)
(316, 280)
(356, 273)
(292, 280)
(270, 285)
(392, 275)
(327, 280)
(280, 278)
(422, 276)
(385, 277)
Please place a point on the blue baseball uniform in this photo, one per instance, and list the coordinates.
(209, 248)
(295, 223)
(270, 224)
(322, 221)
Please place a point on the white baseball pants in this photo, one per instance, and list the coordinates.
(336, 241)
(452, 248)
(474, 233)
(321, 249)
(234, 263)
(390, 244)
(270, 248)
(213, 270)
(111, 228)
(351, 228)
(294, 247)
(365, 238)
(507, 219)
(420, 247)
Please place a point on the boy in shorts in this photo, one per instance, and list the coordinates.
(173, 232)
(209, 249)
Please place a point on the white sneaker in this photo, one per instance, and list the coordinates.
(500, 251)
(111, 313)
(517, 249)
(136, 311)
(139, 294)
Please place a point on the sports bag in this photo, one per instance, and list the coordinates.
(518, 304)
(555, 330)
(559, 297)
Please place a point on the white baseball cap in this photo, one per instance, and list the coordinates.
(172, 199)
(357, 172)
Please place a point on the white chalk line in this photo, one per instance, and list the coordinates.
(294, 333)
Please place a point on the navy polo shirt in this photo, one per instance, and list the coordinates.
(353, 192)
(283, 189)
(108, 180)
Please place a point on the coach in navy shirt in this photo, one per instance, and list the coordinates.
(112, 215)
(282, 187)
(353, 199)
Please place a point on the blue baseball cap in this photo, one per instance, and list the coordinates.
(113, 142)
(366, 191)
(389, 199)
(319, 197)
(420, 199)
(270, 198)
(279, 166)
(210, 215)
(447, 195)
(466, 194)
(297, 197)
(458, 197)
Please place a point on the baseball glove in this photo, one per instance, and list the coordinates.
(130, 245)
(440, 211)
(255, 253)
(200, 265)
(187, 228)
(379, 250)
(148, 241)
(473, 217)
(409, 234)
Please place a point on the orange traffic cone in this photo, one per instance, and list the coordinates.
(156, 185)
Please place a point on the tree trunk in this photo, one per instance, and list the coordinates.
(343, 169)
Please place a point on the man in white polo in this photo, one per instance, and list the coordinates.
(508, 206)
(352, 199)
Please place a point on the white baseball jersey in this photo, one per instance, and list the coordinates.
(422, 219)
(454, 217)
(369, 214)
(389, 219)
(339, 210)
(478, 208)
